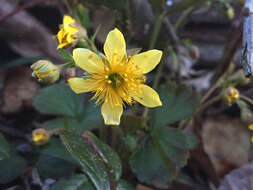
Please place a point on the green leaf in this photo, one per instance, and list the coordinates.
(109, 156)
(59, 99)
(149, 164)
(75, 182)
(56, 149)
(123, 185)
(11, 168)
(83, 16)
(160, 154)
(90, 119)
(179, 103)
(112, 4)
(53, 167)
(173, 143)
(91, 162)
(4, 148)
(66, 56)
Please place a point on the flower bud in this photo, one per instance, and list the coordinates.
(45, 71)
(70, 33)
(239, 78)
(230, 13)
(231, 95)
(194, 52)
(40, 136)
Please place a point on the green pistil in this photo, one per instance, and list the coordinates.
(117, 80)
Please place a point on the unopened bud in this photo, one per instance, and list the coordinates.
(239, 78)
(230, 13)
(231, 95)
(194, 52)
(40, 136)
(45, 71)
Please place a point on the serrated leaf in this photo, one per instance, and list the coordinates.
(191, 141)
(89, 119)
(91, 163)
(160, 154)
(11, 168)
(75, 182)
(53, 167)
(174, 143)
(59, 99)
(66, 56)
(149, 164)
(179, 103)
(4, 148)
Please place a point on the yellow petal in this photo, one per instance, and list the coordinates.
(68, 20)
(111, 113)
(148, 97)
(87, 60)
(148, 60)
(115, 46)
(79, 85)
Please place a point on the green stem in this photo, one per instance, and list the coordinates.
(246, 99)
(66, 65)
(183, 17)
(209, 103)
(157, 27)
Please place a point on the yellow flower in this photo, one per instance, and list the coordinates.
(45, 71)
(70, 32)
(231, 95)
(40, 136)
(250, 127)
(117, 78)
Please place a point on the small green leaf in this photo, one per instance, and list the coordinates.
(66, 56)
(11, 168)
(4, 148)
(53, 167)
(83, 16)
(75, 182)
(91, 163)
(150, 164)
(179, 103)
(59, 99)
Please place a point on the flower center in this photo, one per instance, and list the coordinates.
(115, 80)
